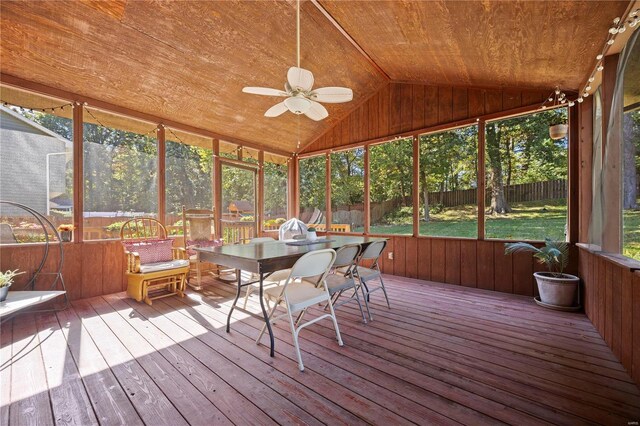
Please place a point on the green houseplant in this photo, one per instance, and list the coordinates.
(311, 234)
(556, 288)
(6, 279)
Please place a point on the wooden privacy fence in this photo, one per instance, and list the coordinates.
(535, 191)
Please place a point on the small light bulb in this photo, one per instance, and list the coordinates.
(550, 99)
(633, 23)
(599, 57)
(591, 79)
(613, 30)
(600, 68)
(616, 21)
(543, 107)
(563, 101)
(585, 94)
(580, 100)
(571, 103)
(557, 91)
(622, 29)
(610, 42)
(587, 88)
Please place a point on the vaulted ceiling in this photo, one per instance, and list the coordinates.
(188, 61)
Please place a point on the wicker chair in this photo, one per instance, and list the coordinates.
(154, 268)
(198, 228)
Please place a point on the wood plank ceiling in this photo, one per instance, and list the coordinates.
(524, 44)
(188, 61)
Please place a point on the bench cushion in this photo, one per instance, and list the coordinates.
(163, 266)
(151, 251)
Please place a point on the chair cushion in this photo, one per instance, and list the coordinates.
(163, 266)
(201, 244)
(151, 251)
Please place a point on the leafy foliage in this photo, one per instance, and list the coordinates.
(554, 254)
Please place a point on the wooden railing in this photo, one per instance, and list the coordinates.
(237, 232)
(321, 227)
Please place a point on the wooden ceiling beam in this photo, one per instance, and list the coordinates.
(108, 107)
(350, 39)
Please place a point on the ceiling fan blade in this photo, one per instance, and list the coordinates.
(276, 110)
(332, 95)
(299, 78)
(264, 91)
(317, 112)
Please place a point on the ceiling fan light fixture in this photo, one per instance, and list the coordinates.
(297, 105)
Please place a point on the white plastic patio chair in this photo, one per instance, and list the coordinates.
(296, 296)
(342, 277)
(367, 275)
(276, 278)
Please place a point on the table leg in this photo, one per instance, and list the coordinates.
(239, 276)
(266, 315)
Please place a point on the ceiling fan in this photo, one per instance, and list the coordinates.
(300, 98)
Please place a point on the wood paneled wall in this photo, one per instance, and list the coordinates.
(402, 107)
(612, 303)
(90, 269)
(467, 262)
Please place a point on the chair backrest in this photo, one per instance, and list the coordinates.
(291, 228)
(6, 234)
(313, 264)
(373, 251)
(198, 224)
(346, 256)
(261, 240)
(141, 229)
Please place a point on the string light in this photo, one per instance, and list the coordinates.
(52, 109)
(106, 127)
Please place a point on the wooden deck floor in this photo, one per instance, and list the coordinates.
(442, 355)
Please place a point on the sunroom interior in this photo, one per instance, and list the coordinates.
(117, 110)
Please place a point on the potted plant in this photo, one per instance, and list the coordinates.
(66, 232)
(6, 279)
(311, 234)
(558, 128)
(556, 288)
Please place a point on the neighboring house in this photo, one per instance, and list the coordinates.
(25, 150)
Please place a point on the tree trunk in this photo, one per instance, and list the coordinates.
(425, 195)
(499, 203)
(630, 174)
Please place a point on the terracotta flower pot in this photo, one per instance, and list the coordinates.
(558, 291)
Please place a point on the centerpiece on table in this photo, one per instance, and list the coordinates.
(311, 234)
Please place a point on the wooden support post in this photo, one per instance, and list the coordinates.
(78, 172)
(260, 194)
(573, 181)
(585, 174)
(367, 200)
(481, 179)
(328, 219)
(162, 178)
(294, 183)
(217, 187)
(416, 185)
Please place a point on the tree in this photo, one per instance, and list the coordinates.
(494, 157)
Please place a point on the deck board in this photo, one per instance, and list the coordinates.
(443, 354)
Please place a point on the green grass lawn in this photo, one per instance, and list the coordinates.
(533, 220)
(528, 221)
